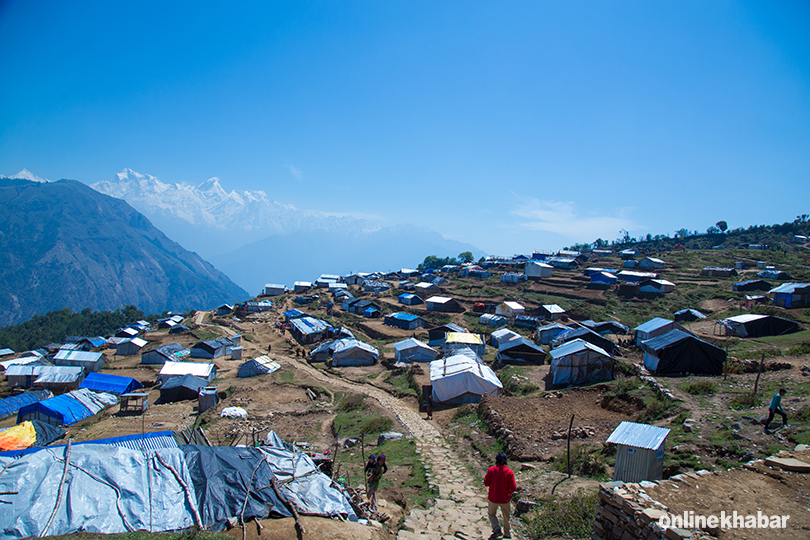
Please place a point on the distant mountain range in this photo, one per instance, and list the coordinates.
(256, 240)
(64, 245)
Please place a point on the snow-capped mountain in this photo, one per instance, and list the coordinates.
(256, 240)
(205, 217)
(25, 174)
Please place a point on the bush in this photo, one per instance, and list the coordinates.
(798, 350)
(557, 516)
(701, 388)
(586, 461)
(352, 402)
(744, 401)
(655, 411)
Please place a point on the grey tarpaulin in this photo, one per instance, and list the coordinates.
(111, 489)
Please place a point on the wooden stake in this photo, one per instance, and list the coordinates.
(759, 372)
(568, 453)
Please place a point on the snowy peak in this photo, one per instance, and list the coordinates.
(25, 174)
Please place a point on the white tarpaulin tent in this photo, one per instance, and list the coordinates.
(198, 369)
(462, 378)
(580, 362)
(413, 350)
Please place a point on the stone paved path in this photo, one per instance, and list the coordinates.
(460, 509)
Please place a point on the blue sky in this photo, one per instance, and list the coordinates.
(512, 125)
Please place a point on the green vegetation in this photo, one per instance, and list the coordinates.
(745, 401)
(355, 418)
(700, 388)
(586, 461)
(404, 383)
(515, 381)
(54, 326)
(563, 516)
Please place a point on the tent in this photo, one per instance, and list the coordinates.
(489, 319)
(607, 327)
(352, 352)
(179, 329)
(28, 434)
(438, 334)
(510, 310)
(580, 362)
(173, 352)
(90, 361)
(408, 321)
(409, 299)
(680, 352)
(262, 365)
(503, 335)
(130, 347)
(655, 327)
(586, 334)
(688, 315)
(548, 333)
(413, 350)
(11, 405)
(520, 351)
(166, 489)
(753, 325)
(462, 378)
(67, 409)
(460, 340)
(181, 387)
(198, 369)
(115, 384)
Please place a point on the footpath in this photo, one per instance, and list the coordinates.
(460, 509)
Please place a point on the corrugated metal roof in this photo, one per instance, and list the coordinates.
(638, 435)
(789, 288)
(652, 324)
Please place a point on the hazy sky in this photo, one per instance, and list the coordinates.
(510, 125)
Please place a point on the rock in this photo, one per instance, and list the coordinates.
(801, 448)
(788, 464)
(527, 467)
(524, 506)
(736, 426)
(736, 435)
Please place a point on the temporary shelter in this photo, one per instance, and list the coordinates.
(688, 315)
(753, 325)
(274, 289)
(11, 405)
(181, 387)
(425, 289)
(752, 285)
(179, 329)
(207, 398)
(585, 334)
(603, 278)
(656, 286)
(537, 270)
(165, 489)
(114, 384)
(59, 378)
(510, 310)
(261, 365)
(655, 327)
(409, 299)
(90, 361)
(639, 452)
(67, 409)
(460, 340)
(580, 362)
(438, 334)
(591, 270)
(212, 348)
(443, 304)
(520, 351)
(714, 271)
(680, 352)
(413, 350)
(27, 434)
(502, 335)
(462, 378)
(408, 321)
(493, 320)
(198, 369)
(309, 329)
(172, 352)
(607, 327)
(346, 352)
(24, 361)
(130, 347)
(791, 295)
(651, 262)
(548, 333)
(631, 275)
(513, 277)
(551, 312)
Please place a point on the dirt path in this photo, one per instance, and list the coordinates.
(461, 504)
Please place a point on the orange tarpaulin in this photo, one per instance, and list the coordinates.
(19, 437)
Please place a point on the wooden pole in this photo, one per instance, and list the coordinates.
(363, 455)
(568, 453)
(759, 372)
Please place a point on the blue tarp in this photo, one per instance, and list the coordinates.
(102, 382)
(67, 409)
(13, 404)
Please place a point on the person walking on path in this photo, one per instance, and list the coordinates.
(429, 406)
(501, 483)
(374, 480)
(776, 407)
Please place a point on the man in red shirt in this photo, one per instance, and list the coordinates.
(501, 482)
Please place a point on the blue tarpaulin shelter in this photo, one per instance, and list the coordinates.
(12, 404)
(67, 409)
(115, 384)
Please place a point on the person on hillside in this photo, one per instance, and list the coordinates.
(374, 480)
(776, 407)
(429, 406)
(371, 464)
(501, 483)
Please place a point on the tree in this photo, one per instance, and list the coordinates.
(682, 233)
(465, 257)
(722, 225)
(713, 230)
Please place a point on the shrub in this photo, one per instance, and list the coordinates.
(352, 402)
(700, 388)
(744, 401)
(377, 424)
(655, 411)
(572, 515)
(586, 461)
(798, 350)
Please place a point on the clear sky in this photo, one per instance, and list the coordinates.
(510, 125)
